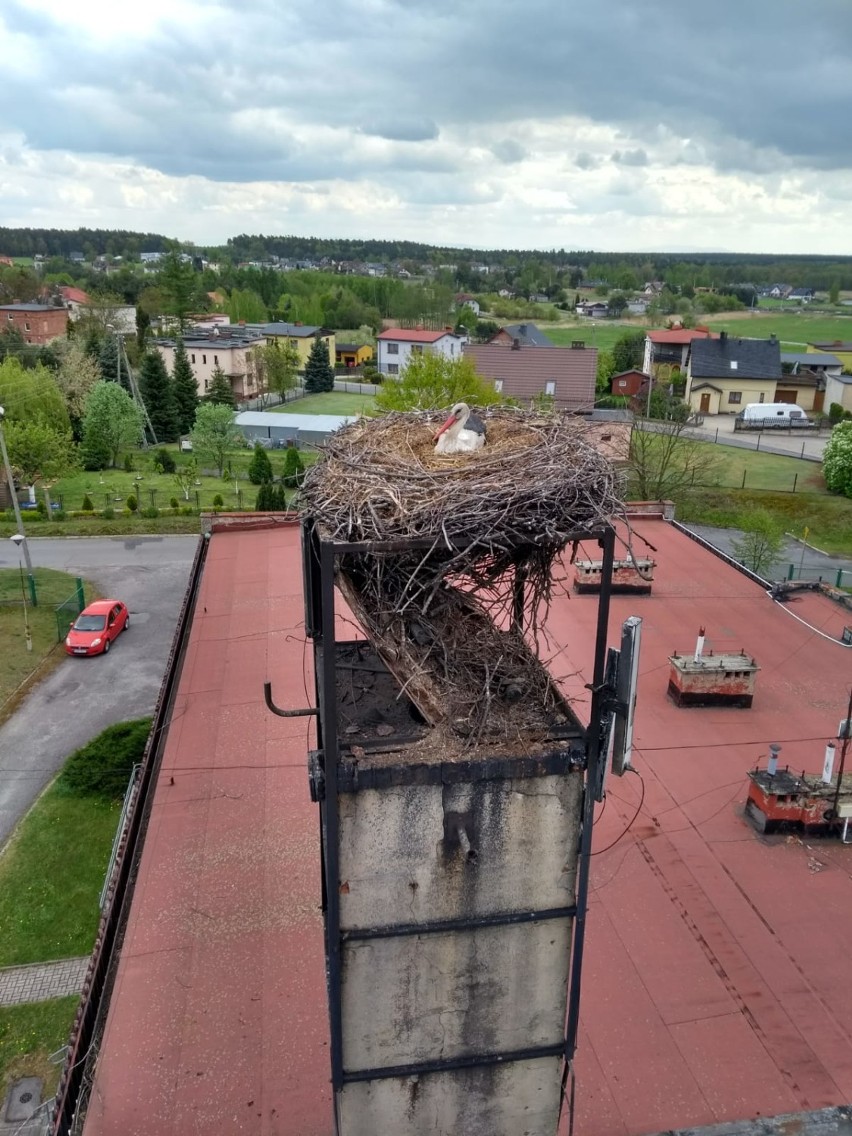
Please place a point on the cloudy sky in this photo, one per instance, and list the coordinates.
(654, 125)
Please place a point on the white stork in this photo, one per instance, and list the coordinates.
(462, 433)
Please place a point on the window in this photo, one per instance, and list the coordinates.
(9, 316)
(762, 397)
(393, 348)
(393, 368)
(550, 387)
(733, 364)
(735, 397)
(203, 358)
(192, 358)
(452, 348)
(416, 349)
(206, 383)
(26, 325)
(498, 385)
(216, 360)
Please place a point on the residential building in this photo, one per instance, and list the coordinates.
(565, 373)
(807, 371)
(631, 384)
(539, 298)
(302, 335)
(670, 347)
(838, 389)
(74, 299)
(353, 354)
(802, 295)
(527, 334)
(465, 300)
(37, 323)
(780, 291)
(594, 309)
(398, 344)
(726, 374)
(837, 347)
(208, 350)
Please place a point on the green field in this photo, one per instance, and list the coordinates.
(29, 1034)
(788, 327)
(764, 471)
(16, 662)
(594, 333)
(332, 403)
(51, 875)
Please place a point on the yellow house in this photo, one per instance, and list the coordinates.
(839, 349)
(353, 354)
(302, 334)
(726, 374)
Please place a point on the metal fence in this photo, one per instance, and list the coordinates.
(836, 577)
(69, 609)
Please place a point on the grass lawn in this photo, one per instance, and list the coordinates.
(764, 471)
(51, 875)
(790, 327)
(29, 1034)
(332, 403)
(594, 333)
(16, 662)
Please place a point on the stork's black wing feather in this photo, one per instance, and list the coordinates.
(475, 425)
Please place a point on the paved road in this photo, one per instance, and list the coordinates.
(792, 444)
(83, 696)
(813, 564)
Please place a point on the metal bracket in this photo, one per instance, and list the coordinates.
(310, 712)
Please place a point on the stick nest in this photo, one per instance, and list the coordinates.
(492, 522)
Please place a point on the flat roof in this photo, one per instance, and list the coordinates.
(716, 981)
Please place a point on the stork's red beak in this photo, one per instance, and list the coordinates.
(450, 422)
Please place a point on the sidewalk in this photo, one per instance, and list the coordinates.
(40, 981)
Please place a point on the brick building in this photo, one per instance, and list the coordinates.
(37, 323)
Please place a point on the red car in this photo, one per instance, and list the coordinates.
(94, 629)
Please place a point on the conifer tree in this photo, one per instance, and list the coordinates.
(185, 389)
(260, 467)
(280, 499)
(294, 468)
(220, 390)
(265, 502)
(319, 373)
(155, 387)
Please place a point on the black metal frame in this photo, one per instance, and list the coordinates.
(319, 561)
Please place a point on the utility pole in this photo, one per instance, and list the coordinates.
(11, 482)
(845, 746)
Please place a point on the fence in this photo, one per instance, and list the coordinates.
(69, 609)
(836, 577)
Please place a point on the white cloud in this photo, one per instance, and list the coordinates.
(512, 124)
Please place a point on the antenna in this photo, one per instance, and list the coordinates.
(627, 681)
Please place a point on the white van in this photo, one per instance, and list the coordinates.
(768, 414)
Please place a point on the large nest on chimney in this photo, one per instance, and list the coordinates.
(484, 524)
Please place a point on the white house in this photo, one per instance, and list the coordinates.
(398, 344)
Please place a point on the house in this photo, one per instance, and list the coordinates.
(631, 384)
(506, 294)
(77, 257)
(303, 335)
(726, 374)
(75, 300)
(539, 298)
(225, 348)
(838, 389)
(527, 334)
(465, 300)
(594, 309)
(802, 295)
(837, 347)
(780, 291)
(653, 287)
(566, 373)
(37, 323)
(352, 354)
(793, 362)
(670, 347)
(805, 378)
(638, 307)
(398, 344)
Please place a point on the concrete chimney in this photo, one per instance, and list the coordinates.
(699, 646)
(772, 763)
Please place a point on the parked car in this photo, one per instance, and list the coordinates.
(95, 628)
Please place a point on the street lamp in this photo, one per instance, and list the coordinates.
(19, 539)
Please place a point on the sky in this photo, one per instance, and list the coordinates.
(656, 126)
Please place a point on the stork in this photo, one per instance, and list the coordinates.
(462, 433)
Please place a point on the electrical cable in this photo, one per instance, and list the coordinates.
(632, 821)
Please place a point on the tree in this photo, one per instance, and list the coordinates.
(76, 376)
(220, 391)
(31, 394)
(432, 381)
(177, 287)
(628, 351)
(112, 422)
(37, 451)
(184, 388)
(155, 387)
(108, 360)
(102, 314)
(260, 467)
(214, 433)
(760, 545)
(246, 305)
(665, 461)
(319, 373)
(185, 477)
(606, 368)
(274, 366)
(616, 304)
(265, 500)
(294, 468)
(837, 460)
(834, 292)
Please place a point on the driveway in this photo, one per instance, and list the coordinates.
(83, 696)
(788, 443)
